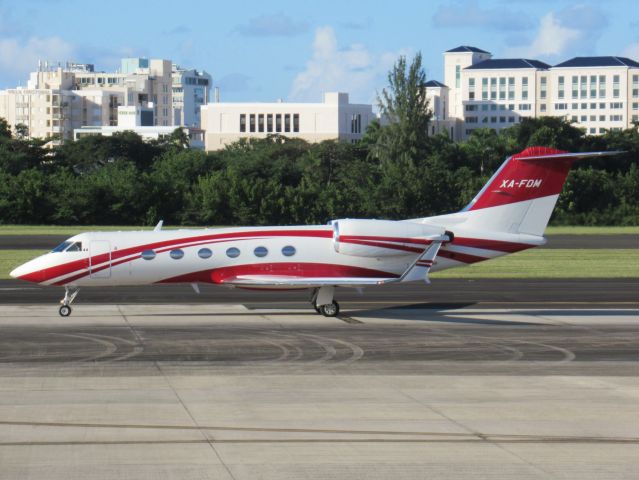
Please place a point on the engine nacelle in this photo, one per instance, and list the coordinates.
(383, 238)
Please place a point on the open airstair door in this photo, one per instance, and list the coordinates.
(100, 259)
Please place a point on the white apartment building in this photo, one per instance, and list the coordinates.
(596, 93)
(191, 90)
(59, 99)
(334, 119)
(140, 120)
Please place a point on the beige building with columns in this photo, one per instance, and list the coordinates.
(334, 119)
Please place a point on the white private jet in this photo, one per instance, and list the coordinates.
(508, 215)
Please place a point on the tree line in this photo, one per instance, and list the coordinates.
(396, 171)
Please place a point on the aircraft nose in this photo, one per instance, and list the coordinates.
(15, 273)
(29, 271)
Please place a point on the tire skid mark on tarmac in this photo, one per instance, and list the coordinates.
(338, 436)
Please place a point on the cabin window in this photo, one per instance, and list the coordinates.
(205, 253)
(233, 252)
(260, 251)
(176, 254)
(288, 251)
(148, 255)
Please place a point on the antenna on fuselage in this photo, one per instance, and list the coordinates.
(158, 227)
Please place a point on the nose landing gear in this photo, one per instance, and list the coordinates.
(65, 310)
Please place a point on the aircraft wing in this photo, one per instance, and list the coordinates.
(294, 281)
(418, 270)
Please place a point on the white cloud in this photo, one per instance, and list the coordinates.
(18, 58)
(353, 69)
(552, 39)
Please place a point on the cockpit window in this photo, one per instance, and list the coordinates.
(75, 247)
(68, 247)
(62, 247)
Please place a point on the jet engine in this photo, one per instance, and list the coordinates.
(384, 238)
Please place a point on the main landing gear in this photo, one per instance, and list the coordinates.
(65, 310)
(323, 302)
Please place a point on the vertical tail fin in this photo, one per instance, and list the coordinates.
(522, 194)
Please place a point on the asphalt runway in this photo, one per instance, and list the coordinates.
(467, 341)
(44, 242)
(441, 293)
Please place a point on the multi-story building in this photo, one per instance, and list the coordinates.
(595, 93)
(60, 99)
(334, 119)
(191, 90)
(140, 120)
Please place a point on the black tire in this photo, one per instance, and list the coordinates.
(65, 310)
(330, 310)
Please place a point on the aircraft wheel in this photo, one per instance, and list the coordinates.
(330, 310)
(65, 311)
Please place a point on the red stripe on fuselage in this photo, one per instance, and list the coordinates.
(56, 271)
(291, 269)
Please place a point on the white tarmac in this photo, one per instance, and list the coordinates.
(106, 394)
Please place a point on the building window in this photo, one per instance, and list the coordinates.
(574, 119)
(542, 87)
(296, 122)
(615, 86)
(356, 123)
(502, 88)
(148, 254)
(233, 252)
(635, 106)
(584, 118)
(204, 253)
(471, 119)
(287, 122)
(493, 89)
(269, 122)
(602, 118)
(484, 89)
(542, 107)
(616, 118)
(288, 251)
(583, 86)
(602, 86)
(635, 86)
(278, 123)
(176, 254)
(593, 86)
(593, 130)
(260, 122)
(575, 86)
(252, 123)
(560, 89)
(457, 76)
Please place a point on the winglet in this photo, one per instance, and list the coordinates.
(421, 267)
(158, 227)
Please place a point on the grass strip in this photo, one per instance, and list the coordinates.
(546, 263)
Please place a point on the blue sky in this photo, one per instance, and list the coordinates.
(261, 51)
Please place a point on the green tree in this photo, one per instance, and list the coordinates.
(404, 105)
